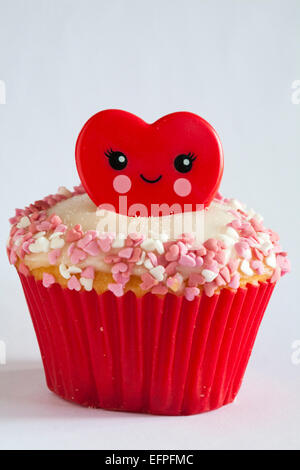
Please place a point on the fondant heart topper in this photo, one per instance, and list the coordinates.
(176, 160)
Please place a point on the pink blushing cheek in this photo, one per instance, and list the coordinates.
(182, 187)
(122, 184)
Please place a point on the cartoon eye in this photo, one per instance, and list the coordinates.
(117, 160)
(183, 163)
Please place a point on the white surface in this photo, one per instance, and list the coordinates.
(232, 62)
(265, 415)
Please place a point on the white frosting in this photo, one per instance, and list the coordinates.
(205, 224)
(74, 234)
(210, 223)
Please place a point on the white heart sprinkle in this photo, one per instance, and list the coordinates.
(245, 268)
(142, 259)
(271, 260)
(229, 241)
(209, 275)
(55, 234)
(57, 242)
(148, 244)
(148, 264)
(62, 190)
(74, 269)
(39, 234)
(18, 241)
(86, 283)
(23, 222)
(266, 247)
(64, 271)
(237, 204)
(118, 243)
(158, 272)
(231, 232)
(159, 247)
(41, 245)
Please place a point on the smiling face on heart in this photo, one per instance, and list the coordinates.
(177, 159)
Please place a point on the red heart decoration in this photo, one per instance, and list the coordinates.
(176, 160)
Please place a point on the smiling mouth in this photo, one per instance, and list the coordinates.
(150, 181)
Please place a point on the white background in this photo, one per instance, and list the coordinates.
(233, 63)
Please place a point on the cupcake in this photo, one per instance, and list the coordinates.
(146, 287)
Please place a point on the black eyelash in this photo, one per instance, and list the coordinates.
(192, 156)
(108, 153)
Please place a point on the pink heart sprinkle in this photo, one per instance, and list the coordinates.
(148, 281)
(121, 278)
(171, 268)
(111, 259)
(195, 279)
(153, 258)
(119, 268)
(220, 257)
(85, 241)
(33, 228)
(188, 238)
(72, 235)
(276, 274)
(182, 248)
(92, 248)
(135, 255)
(202, 251)
(210, 288)
(220, 280)
(191, 292)
(55, 220)
(77, 256)
(242, 249)
(88, 273)
(199, 261)
(212, 265)
(236, 224)
(273, 236)
(258, 254)
(44, 226)
(225, 274)
(53, 255)
(125, 252)
(137, 238)
(61, 228)
(233, 265)
(283, 263)
(175, 282)
(160, 289)
(257, 265)
(211, 244)
(235, 281)
(172, 253)
(105, 244)
(186, 260)
(48, 279)
(74, 284)
(258, 226)
(116, 289)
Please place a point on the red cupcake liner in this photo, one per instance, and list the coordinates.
(161, 355)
